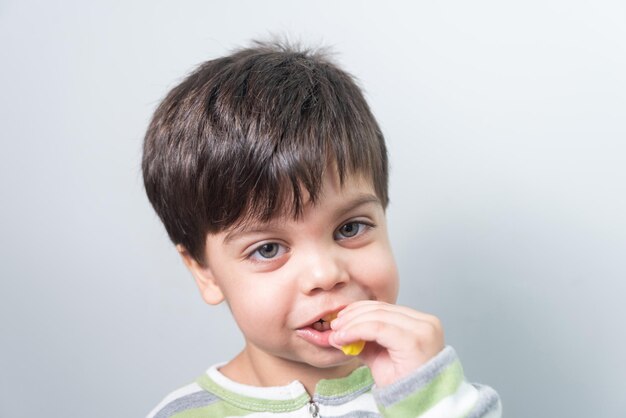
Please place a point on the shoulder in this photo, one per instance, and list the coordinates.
(186, 398)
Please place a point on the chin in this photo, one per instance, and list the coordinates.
(330, 360)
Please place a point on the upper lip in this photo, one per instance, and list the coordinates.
(322, 315)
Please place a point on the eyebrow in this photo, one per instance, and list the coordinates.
(275, 225)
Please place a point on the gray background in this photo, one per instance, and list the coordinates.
(506, 126)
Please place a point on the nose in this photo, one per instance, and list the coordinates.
(323, 271)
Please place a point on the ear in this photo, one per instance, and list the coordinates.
(209, 289)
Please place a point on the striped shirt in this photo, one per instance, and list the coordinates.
(438, 389)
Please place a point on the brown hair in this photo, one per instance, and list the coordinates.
(242, 135)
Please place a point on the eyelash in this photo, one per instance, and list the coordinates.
(363, 228)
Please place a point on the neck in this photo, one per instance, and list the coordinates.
(256, 368)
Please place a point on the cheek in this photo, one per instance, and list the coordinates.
(258, 307)
(377, 270)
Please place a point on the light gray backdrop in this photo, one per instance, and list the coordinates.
(506, 127)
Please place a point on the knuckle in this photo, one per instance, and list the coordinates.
(378, 327)
(435, 321)
(429, 331)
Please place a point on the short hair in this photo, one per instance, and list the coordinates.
(244, 135)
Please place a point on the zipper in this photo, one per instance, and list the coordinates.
(314, 410)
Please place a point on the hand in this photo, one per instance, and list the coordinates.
(398, 339)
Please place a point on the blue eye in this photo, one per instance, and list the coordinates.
(268, 250)
(351, 229)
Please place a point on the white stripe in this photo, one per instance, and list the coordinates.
(299, 413)
(364, 402)
(178, 393)
(274, 393)
(456, 405)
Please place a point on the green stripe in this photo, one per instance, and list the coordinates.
(446, 384)
(243, 403)
(218, 409)
(357, 380)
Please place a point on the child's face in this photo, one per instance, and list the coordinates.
(280, 277)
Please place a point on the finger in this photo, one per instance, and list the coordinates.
(383, 333)
(365, 305)
(414, 329)
(396, 339)
(360, 308)
(395, 318)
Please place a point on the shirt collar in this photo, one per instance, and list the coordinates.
(285, 398)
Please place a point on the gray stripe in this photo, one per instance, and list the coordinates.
(193, 400)
(341, 399)
(488, 401)
(359, 414)
(399, 390)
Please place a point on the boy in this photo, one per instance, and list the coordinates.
(269, 173)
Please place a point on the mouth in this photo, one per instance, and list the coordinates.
(322, 324)
(318, 331)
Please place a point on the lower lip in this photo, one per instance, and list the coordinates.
(315, 337)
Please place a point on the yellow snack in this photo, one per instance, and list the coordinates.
(353, 349)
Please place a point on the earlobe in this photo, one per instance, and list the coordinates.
(205, 280)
